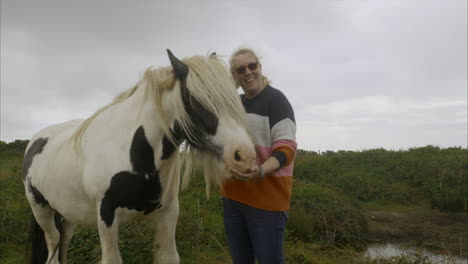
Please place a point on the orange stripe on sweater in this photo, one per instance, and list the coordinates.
(273, 193)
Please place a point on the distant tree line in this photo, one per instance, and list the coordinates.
(14, 148)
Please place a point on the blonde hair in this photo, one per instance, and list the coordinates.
(242, 51)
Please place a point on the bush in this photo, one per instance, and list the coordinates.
(320, 214)
(408, 177)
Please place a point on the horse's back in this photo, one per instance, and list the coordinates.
(51, 132)
(46, 143)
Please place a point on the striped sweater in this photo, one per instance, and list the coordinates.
(271, 120)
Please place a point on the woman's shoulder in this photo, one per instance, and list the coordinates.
(275, 94)
(282, 108)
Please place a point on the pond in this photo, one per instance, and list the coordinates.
(393, 250)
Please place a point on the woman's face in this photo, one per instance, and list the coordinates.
(248, 73)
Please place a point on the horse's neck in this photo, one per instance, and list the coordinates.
(121, 120)
(143, 104)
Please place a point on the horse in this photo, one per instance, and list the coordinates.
(125, 161)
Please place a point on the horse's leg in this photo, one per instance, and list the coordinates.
(109, 237)
(45, 218)
(165, 245)
(68, 229)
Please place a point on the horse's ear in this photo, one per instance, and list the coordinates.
(213, 55)
(180, 68)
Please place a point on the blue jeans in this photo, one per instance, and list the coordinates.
(254, 233)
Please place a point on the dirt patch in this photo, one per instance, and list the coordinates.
(432, 229)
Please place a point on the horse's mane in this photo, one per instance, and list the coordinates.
(208, 81)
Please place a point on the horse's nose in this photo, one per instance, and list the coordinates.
(244, 159)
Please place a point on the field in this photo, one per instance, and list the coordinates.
(342, 201)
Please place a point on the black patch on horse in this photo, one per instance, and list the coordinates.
(37, 195)
(35, 149)
(139, 189)
(168, 146)
(205, 121)
(141, 153)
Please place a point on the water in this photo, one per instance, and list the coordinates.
(394, 250)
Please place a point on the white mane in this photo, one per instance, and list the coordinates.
(209, 82)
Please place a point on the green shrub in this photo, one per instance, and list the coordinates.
(320, 214)
(408, 177)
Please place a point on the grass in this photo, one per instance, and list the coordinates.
(200, 233)
(316, 210)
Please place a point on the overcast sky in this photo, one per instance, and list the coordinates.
(359, 74)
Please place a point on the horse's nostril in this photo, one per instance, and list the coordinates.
(236, 156)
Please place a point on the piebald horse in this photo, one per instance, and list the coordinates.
(124, 162)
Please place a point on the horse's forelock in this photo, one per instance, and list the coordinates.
(208, 81)
(211, 84)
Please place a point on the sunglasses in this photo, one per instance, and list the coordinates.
(252, 67)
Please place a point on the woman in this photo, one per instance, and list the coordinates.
(255, 211)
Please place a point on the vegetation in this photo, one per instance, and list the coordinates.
(406, 177)
(326, 217)
(328, 221)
